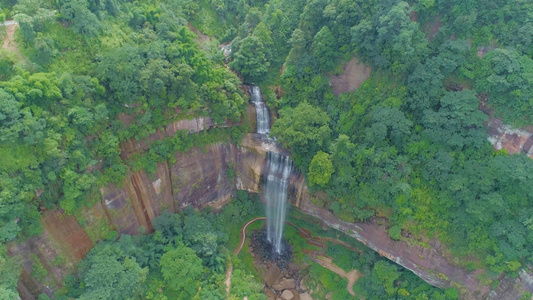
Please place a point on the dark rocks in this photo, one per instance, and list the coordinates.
(265, 250)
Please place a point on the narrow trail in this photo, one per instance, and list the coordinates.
(315, 255)
(243, 234)
(228, 279)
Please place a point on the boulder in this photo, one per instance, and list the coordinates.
(272, 275)
(305, 296)
(287, 295)
(303, 287)
(284, 284)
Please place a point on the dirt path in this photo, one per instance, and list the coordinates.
(352, 276)
(9, 42)
(228, 279)
(243, 234)
(202, 38)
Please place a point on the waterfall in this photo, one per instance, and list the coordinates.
(275, 192)
(276, 184)
(263, 118)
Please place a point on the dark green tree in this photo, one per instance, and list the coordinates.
(251, 59)
(324, 49)
(305, 129)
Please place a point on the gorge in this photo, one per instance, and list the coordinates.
(197, 178)
(133, 148)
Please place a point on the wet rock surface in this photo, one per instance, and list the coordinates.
(264, 250)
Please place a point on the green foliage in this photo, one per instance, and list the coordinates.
(409, 143)
(451, 293)
(82, 19)
(245, 285)
(458, 123)
(38, 271)
(384, 274)
(398, 41)
(305, 129)
(251, 60)
(395, 232)
(10, 269)
(320, 169)
(168, 268)
(323, 48)
(181, 270)
(43, 297)
(507, 77)
(109, 272)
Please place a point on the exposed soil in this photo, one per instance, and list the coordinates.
(354, 75)
(434, 29)
(228, 278)
(513, 140)
(202, 38)
(68, 233)
(9, 41)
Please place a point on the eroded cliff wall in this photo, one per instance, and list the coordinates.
(198, 177)
(203, 177)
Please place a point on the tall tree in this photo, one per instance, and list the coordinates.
(251, 59)
(181, 270)
(305, 129)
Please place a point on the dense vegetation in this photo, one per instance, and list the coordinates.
(185, 258)
(380, 279)
(408, 145)
(88, 77)
(61, 109)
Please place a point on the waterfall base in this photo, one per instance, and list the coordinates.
(265, 250)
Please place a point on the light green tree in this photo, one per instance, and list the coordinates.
(320, 169)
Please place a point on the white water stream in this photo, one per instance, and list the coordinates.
(279, 168)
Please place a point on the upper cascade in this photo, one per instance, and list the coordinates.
(263, 117)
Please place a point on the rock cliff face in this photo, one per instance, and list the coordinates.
(513, 140)
(201, 177)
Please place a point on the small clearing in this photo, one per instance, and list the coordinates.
(9, 41)
(353, 76)
(202, 38)
(434, 29)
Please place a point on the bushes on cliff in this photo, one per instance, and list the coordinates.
(185, 258)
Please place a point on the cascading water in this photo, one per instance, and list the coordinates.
(276, 184)
(263, 118)
(275, 192)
